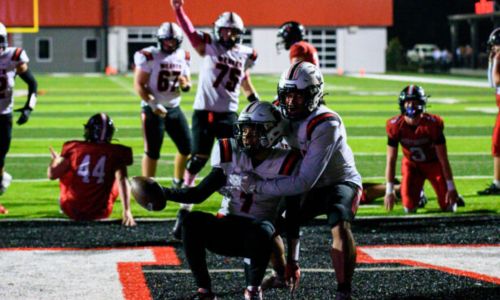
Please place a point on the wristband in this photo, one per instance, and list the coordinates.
(389, 188)
(450, 185)
(253, 97)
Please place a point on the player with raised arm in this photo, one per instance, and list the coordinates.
(327, 175)
(245, 225)
(225, 69)
(425, 156)
(291, 36)
(92, 173)
(494, 80)
(160, 74)
(13, 62)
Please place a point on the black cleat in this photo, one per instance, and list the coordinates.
(491, 190)
(177, 231)
(422, 201)
(460, 201)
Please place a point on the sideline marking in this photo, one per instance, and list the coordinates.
(477, 261)
(80, 273)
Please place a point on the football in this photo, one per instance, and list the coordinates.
(148, 193)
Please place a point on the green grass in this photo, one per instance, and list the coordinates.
(364, 104)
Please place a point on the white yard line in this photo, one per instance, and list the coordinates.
(377, 178)
(444, 81)
(125, 86)
(303, 270)
(35, 155)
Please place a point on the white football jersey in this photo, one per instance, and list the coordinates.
(164, 70)
(230, 157)
(10, 58)
(327, 158)
(221, 74)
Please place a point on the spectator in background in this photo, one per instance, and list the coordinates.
(225, 69)
(13, 62)
(92, 173)
(494, 80)
(291, 37)
(160, 74)
(425, 155)
(468, 52)
(436, 55)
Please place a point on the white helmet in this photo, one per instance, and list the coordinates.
(305, 79)
(169, 31)
(3, 36)
(229, 20)
(265, 119)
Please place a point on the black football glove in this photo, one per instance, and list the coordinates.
(25, 114)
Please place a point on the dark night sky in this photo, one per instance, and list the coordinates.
(426, 21)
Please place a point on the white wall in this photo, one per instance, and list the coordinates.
(361, 49)
(357, 48)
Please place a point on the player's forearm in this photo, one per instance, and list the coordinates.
(124, 192)
(194, 195)
(390, 168)
(496, 70)
(187, 27)
(30, 80)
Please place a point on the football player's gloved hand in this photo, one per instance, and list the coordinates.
(25, 114)
(292, 274)
(245, 182)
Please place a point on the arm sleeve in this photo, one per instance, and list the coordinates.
(319, 153)
(188, 28)
(210, 184)
(439, 132)
(32, 88)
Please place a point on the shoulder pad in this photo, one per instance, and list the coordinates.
(17, 54)
(148, 55)
(289, 163)
(321, 118)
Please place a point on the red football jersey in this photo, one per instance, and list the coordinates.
(87, 186)
(418, 142)
(305, 51)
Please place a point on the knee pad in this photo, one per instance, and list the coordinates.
(266, 230)
(195, 164)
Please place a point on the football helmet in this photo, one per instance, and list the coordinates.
(413, 92)
(288, 34)
(305, 79)
(169, 31)
(3, 37)
(99, 128)
(264, 121)
(231, 21)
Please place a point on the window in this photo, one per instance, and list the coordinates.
(44, 49)
(326, 43)
(90, 50)
(246, 38)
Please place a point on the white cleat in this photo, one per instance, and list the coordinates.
(6, 181)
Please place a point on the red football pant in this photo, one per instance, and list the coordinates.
(495, 146)
(414, 174)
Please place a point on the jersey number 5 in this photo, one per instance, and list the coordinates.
(234, 77)
(98, 171)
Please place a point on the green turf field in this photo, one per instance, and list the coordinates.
(364, 105)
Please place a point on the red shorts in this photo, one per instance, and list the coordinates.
(76, 210)
(414, 174)
(495, 146)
